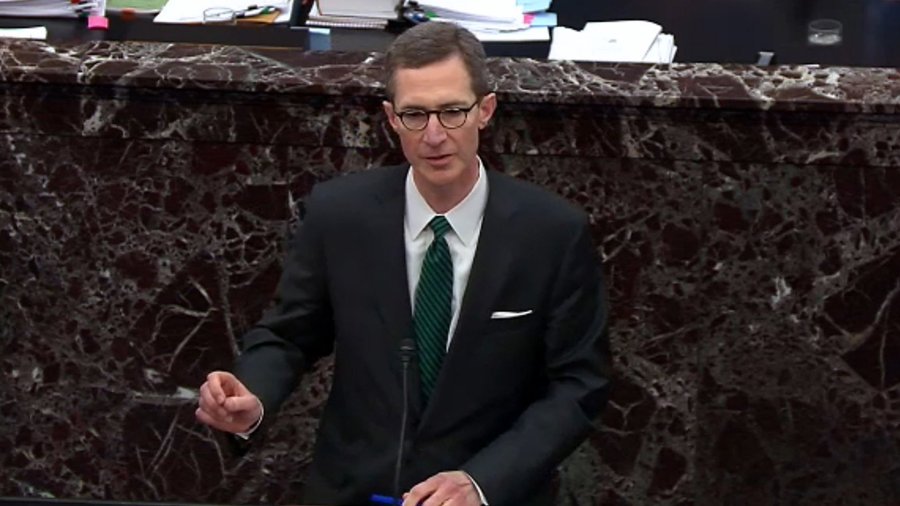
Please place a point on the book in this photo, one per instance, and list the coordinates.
(46, 8)
(358, 21)
(365, 9)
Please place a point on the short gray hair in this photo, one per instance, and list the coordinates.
(434, 41)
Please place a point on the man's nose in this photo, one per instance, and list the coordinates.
(434, 132)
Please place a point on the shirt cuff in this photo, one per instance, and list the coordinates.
(262, 412)
(481, 496)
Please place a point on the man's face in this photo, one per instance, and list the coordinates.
(443, 159)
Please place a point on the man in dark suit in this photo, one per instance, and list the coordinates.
(490, 285)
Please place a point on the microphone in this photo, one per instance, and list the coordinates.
(407, 352)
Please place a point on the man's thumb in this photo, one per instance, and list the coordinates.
(240, 403)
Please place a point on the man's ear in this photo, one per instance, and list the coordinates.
(392, 118)
(486, 109)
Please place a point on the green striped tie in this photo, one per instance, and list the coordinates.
(431, 318)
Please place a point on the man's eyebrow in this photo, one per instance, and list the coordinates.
(446, 105)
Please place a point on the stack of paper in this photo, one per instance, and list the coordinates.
(40, 8)
(614, 41)
(500, 12)
(373, 14)
(378, 9)
(497, 20)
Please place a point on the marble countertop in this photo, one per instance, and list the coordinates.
(520, 80)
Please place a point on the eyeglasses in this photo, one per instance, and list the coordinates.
(450, 117)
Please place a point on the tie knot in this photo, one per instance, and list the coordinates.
(440, 226)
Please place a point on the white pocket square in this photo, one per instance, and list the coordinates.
(502, 315)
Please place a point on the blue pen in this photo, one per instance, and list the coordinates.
(385, 499)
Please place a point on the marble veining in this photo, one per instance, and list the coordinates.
(272, 70)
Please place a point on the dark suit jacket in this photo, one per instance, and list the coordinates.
(514, 396)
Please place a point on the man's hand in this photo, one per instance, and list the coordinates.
(452, 488)
(226, 404)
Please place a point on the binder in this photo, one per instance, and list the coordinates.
(360, 20)
(346, 22)
(367, 9)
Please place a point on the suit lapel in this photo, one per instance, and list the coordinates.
(390, 285)
(489, 270)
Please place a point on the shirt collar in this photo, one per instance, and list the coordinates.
(465, 217)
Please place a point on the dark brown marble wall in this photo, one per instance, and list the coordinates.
(748, 220)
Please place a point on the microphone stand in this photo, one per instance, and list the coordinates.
(407, 351)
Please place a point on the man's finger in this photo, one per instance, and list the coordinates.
(205, 417)
(438, 498)
(435, 499)
(215, 410)
(447, 488)
(241, 403)
(204, 393)
(238, 388)
(208, 404)
(421, 492)
(214, 383)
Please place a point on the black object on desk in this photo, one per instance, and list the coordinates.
(300, 12)
(343, 39)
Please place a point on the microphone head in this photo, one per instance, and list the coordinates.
(407, 345)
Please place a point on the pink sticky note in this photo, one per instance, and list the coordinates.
(98, 23)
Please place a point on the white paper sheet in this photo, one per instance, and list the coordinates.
(611, 41)
(191, 11)
(35, 33)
